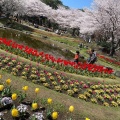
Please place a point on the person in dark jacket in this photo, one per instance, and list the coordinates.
(92, 58)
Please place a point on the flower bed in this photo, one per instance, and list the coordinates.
(59, 82)
(60, 64)
(108, 60)
(16, 105)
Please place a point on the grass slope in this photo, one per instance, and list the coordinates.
(82, 108)
(57, 43)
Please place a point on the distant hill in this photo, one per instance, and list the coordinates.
(54, 3)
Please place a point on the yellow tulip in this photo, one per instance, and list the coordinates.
(34, 106)
(1, 87)
(54, 115)
(37, 90)
(25, 88)
(87, 119)
(14, 96)
(15, 112)
(71, 108)
(49, 101)
(8, 81)
(0, 76)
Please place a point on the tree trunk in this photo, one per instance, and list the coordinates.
(73, 33)
(7, 15)
(78, 33)
(48, 24)
(112, 50)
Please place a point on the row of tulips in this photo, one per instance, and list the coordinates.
(47, 59)
(59, 82)
(21, 111)
(108, 60)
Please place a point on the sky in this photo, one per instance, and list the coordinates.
(78, 4)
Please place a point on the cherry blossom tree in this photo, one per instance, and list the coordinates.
(105, 16)
(11, 7)
(67, 18)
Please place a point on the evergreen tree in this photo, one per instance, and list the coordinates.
(53, 3)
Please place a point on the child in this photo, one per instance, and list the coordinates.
(76, 58)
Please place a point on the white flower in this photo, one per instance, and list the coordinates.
(1, 114)
(6, 101)
(22, 108)
(38, 116)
